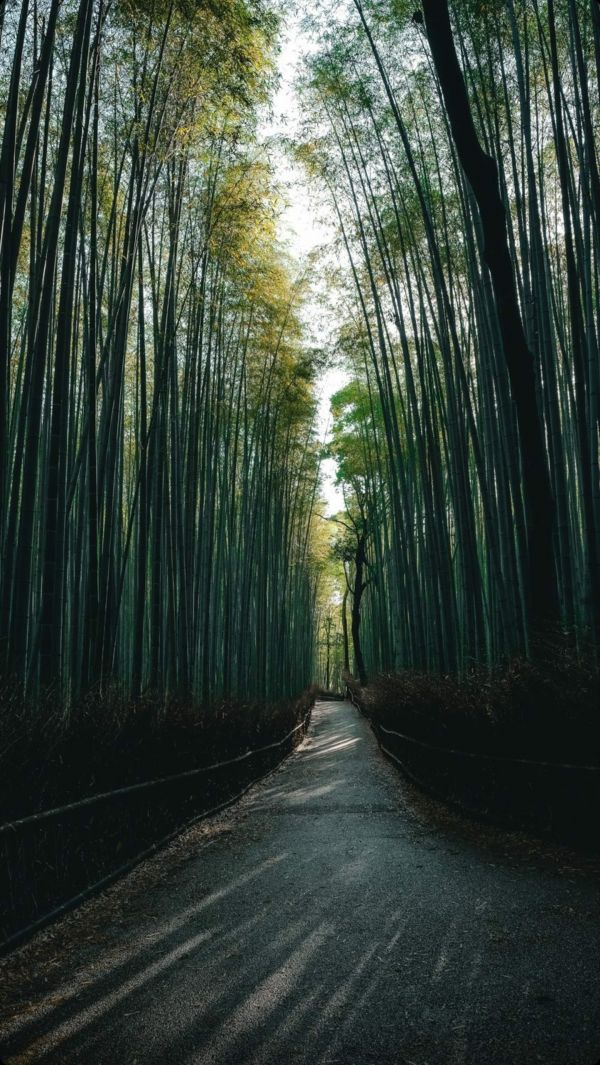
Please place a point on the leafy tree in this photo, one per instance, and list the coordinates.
(483, 454)
(158, 463)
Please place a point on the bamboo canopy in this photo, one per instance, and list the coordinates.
(158, 461)
(457, 147)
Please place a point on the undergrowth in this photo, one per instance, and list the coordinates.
(550, 709)
(48, 758)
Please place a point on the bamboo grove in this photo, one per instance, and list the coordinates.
(434, 453)
(158, 463)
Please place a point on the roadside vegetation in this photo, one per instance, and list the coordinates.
(158, 458)
(171, 584)
(456, 145)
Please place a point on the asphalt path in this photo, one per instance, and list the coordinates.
(334, 915)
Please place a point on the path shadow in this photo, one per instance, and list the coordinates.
(372, 949)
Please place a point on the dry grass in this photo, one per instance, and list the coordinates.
(538, 710)
(48, 758)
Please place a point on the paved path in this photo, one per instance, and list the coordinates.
(334, 916)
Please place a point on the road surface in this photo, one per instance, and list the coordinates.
(333, 916)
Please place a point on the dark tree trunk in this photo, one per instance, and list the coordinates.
(359, 587)
(482, 173)
(345, 633)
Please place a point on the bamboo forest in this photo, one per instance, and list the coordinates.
(299, 409)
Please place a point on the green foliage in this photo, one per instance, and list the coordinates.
(425, 435)
(160, 469)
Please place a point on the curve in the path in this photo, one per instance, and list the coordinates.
(333, 917)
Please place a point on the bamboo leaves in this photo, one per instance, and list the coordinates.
(160, 468)
(461, 162)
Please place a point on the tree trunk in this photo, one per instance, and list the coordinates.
(345, 633)
(482, 173)
(359, 587)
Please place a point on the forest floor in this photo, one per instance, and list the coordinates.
(335, 915)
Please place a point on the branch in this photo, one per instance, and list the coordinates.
(338, 521)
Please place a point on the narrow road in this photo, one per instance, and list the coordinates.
(333, 916)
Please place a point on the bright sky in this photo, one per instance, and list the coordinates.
(303, 226)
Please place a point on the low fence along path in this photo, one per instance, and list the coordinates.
(333, 916)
